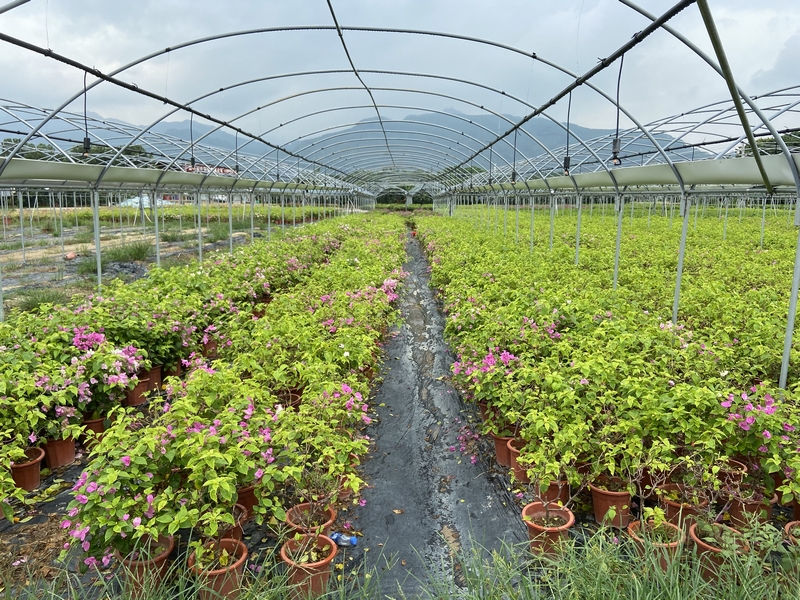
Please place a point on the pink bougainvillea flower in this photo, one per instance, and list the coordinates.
(126, 460)
(362, 502)
(767, 435)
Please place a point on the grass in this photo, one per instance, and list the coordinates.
(604, 566)
(31, 299)
(134, 251)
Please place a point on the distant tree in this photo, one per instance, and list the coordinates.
(768, 145)
(29, 150)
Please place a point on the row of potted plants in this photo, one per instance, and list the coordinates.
(64, 368)
(599, 388)
(272, 420)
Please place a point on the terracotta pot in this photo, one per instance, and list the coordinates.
(298, 516)
(733, 473)
(666, 552)
(27, 475)
(144, 576)
(236, 531)
(796, 510)
(484, 408)
(154, 376)
(138, 394)
(603, 500)
(58, 453)
(94, 431)
(794, 539)
(210, 348)
(514, 447)
(175, 370)
(545, 540)
(246, 496)
(711, 557)
(225, 582)
(308, 580)
(678, 513)
(557, 491)
(501, 450)
(741, 511)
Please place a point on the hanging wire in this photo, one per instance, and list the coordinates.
(616, 144)
(191, 137)
(514, 160)
(87, 143)
(237, 152)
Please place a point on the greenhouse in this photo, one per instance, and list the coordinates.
(349, 299)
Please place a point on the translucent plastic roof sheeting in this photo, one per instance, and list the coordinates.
(322, 101)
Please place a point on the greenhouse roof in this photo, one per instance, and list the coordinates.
(331, 104)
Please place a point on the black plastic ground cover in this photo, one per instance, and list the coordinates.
(426, 498)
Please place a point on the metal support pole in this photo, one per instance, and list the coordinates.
(269, 216)
(552, 219)
(252, 218)
(685, 207)
(787, 340)
(763, 221)
(199, 226)
(96, 217)
(155, 218)
(725, 222)
(505, 214)
(696, 209)
(516, 209)
(21, 224)
(230, 223)
(533, 206)
(579, 201)
(620, 204)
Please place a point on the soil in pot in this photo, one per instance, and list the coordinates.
(27, 475)
(58, 453)
(144, 571)
(666, 540)
(309, 518)
(611, 501)
(709, 541)
(308, 561)
(222, 576)
(547, 526)
(681, 505)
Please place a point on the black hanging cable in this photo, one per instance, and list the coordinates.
(237, 152)
(87, 143)
(514, 160)
(191, 137)
(490, 164)
(566, 158)
(616, 145)
(358, 76)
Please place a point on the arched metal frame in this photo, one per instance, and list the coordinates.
(439, 160)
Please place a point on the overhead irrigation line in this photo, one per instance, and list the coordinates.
(143, 92)
(602, 65)
(358, 76)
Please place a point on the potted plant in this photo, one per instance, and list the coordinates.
(308, 560)
(654, 531)
(219, 567)
(547, 525)
(714, 543)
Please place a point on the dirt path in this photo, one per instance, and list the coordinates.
(426, 497)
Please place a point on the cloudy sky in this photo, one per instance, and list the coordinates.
(661, 77)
